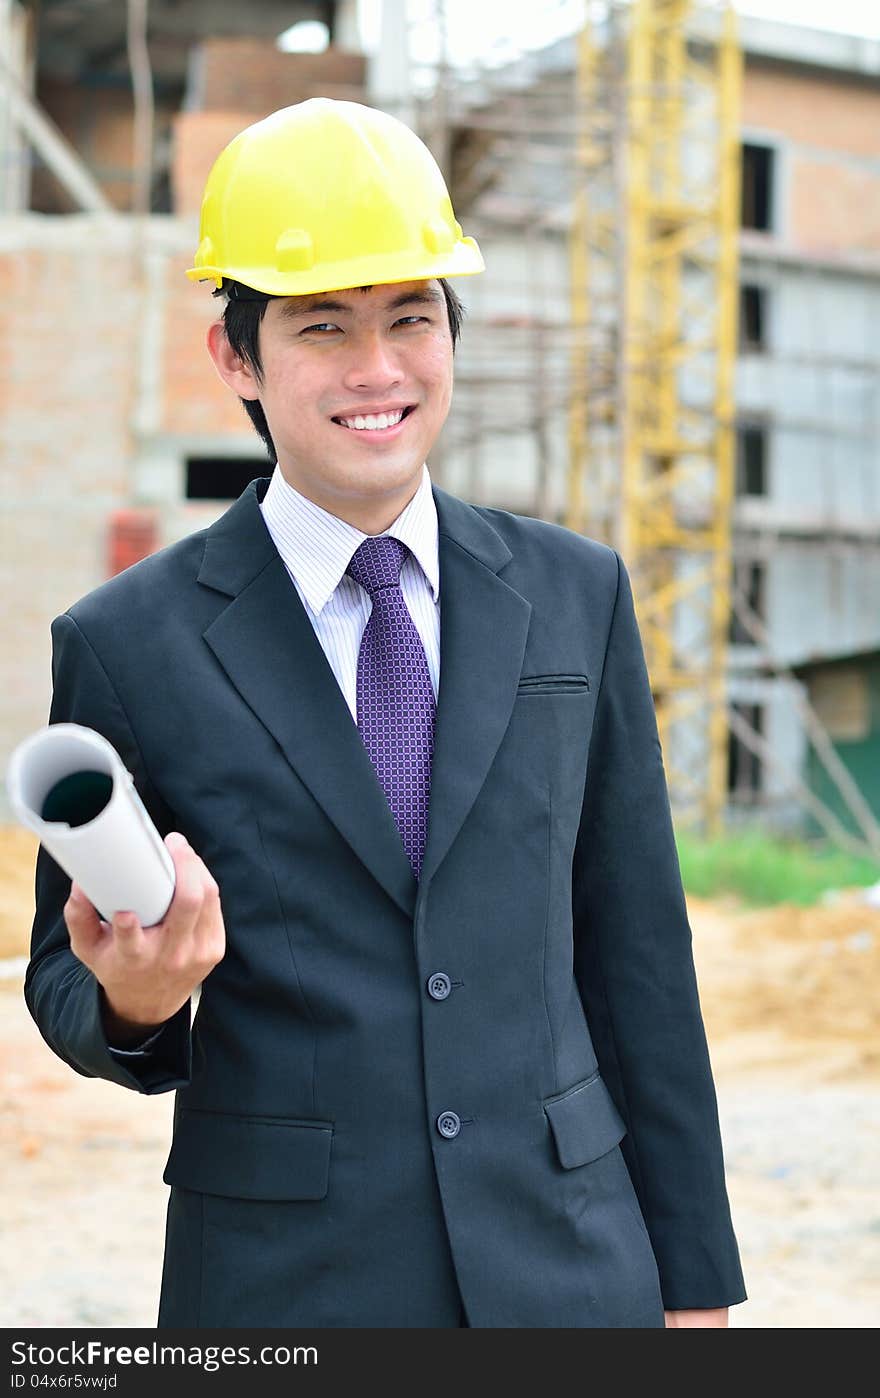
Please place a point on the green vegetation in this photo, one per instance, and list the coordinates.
(762, 870)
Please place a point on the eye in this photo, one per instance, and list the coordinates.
(315, 329)
(412, 320)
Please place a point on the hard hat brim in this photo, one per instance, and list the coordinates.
(463, 260)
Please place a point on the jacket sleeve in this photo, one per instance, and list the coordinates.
(635, 973)
(62, 994)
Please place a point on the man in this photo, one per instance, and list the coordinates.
(448, 1065)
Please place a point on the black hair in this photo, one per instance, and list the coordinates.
(242, 317)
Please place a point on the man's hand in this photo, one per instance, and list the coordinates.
(148, 973)
(696, 1320)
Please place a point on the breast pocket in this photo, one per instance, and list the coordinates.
(552, 684)
(548, 737)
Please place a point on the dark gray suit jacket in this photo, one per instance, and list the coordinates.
(311, 1183)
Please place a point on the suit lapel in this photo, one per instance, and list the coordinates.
(483, 629)
(268, 648)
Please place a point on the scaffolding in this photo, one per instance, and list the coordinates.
(651, 455)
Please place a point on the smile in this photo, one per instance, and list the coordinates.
(384, 423)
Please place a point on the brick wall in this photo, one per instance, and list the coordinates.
(252, 75)
(99, 123)
(814, 109)
(195, 399)
(828, 132)
(66, 388)
(834, 208)
(93, 333)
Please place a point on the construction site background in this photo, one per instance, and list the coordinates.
(118, 438)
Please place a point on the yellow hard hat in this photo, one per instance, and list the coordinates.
(326, 195)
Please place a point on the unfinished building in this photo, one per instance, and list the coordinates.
(117, 438)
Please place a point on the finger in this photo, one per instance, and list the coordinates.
(197, 916)
(186, 879)
(175, 843)
(83, 922)
(187, 858)
(193, 924)
(180, 850)
(210, 934)
(128, 934)
(192, 883)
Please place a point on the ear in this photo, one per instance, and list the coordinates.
(233, 370)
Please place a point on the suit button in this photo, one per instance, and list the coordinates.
(439, 985)
(448, 1124)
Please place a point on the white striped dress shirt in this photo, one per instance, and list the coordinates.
(316, 547)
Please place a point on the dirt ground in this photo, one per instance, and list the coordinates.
(790, 1002)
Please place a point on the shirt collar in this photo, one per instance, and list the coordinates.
(316, 546)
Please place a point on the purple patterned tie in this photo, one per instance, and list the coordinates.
(395, 697)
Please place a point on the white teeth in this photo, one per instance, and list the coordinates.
(373, 422)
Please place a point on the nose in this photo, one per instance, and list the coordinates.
(373, 363)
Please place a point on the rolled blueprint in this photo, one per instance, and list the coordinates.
(69, 785)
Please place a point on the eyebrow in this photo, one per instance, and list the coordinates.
(291, 310)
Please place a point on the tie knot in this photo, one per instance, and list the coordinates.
(377, 563)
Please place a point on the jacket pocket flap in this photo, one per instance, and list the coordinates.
(585, 1122)
(250, 1157)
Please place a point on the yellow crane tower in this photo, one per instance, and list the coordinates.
(654, 293)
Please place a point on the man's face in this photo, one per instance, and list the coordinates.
(356, 387)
